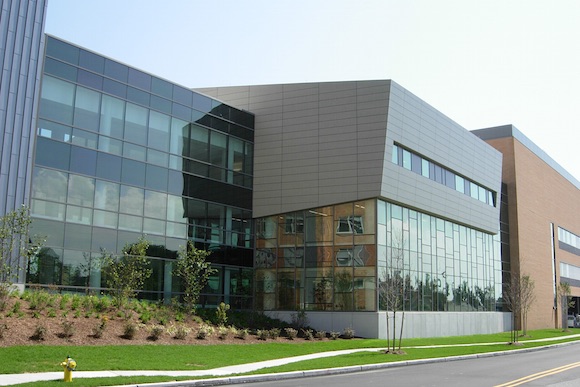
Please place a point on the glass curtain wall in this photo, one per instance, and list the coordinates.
(349, 257)
(436, 265)
(318, 259)
(121, 154)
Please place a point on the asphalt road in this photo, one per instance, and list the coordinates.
(549, 367)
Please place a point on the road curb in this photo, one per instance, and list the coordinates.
(232, 380)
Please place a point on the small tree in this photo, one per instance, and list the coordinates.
(194, 272)
(528, 287)
(16, 247)
(512, 296)
(127, 273)
(565, 297)
(392, 290)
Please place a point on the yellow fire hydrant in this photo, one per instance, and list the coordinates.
(69, 366)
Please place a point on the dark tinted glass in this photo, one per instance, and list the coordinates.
(115, 88)
(220, 110)
(182, 95)
(201, 103)
(92, 61)
(60, 69)
(137, 96)
(116, 70)
(90, 79)
(139, 79)
(109, 167)
(53, 231)
(83, 161)
(161, 87)
(133, 172)
(62, 50)
(181, 111)
(160, 104)
(52, 153)
(156, 178)
(241, 132)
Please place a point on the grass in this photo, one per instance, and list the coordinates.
(155, 357)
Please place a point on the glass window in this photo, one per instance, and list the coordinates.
(110, 145)
(108, 166)
(87, 104)
(449, 179)
(52, 153)
(482, 195)
(116, 70)
(80, 215)
(112, 117)
(156, 178)
(135, 152)
(161, 87)
(140, 79)
(155, 205)
(459, 183)
(198, 145)
(83, 161)
(132, 200)
(425, 168)
(474, 191)
(89, 79)
(133, 172)
(406, 159)
(115, 88)
(130, 222)
(49, 184)
(81, 190)
(153, 226)
(61, 50)
(92, 61)
(107, 195)
(158, 158)
(54, 131)
(84, 138)
(57, 99)
(47, 210)
(159, 131)
(179, 136)
(77, 236)
(175, 209)
(160, 104)
(138, 96)
(105, 219)
(416, 163)
(395, 156)
(182, 95)
(136, 124)
(59, 69)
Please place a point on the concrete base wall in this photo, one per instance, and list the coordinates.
(416, 324)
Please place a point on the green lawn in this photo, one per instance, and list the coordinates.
(157, 357)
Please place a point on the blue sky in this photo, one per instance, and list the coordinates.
(482, 63)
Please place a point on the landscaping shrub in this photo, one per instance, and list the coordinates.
(274, 333)
(129, 330)
(204, 331)
(348, 333)
(68, 329)
(308, 334)
(40, 333)
(99, 329)
(155, 332)
(320, 335)
(334, 335)
(3, 329)
(291, 333)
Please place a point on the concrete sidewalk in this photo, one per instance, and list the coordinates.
(221, 373)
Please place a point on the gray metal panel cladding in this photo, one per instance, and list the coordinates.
(21, 56)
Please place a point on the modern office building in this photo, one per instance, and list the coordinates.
(316, 197)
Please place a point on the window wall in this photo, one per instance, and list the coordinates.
(318, 259)
(432, 264)
(427, 168)
(121, 154)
